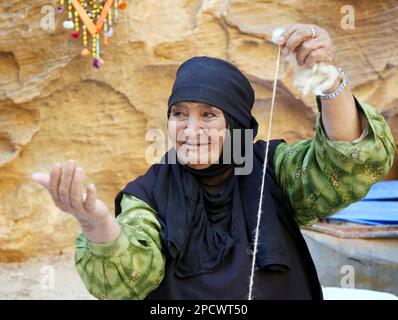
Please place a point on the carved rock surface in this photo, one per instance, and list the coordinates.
(55, 106)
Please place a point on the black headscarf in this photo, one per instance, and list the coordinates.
(218, 83)
(197, 208)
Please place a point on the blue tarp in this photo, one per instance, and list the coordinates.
(383, 190)
(379, 207)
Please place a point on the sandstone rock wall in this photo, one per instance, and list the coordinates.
(55, 106)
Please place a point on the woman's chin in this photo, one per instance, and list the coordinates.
(192, 161)
(198, 166)
(195, 163)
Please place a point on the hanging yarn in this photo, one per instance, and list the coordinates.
(96, 18)
(85, 51)
(251, 283)
(76, 33)
(70, 10)
(116, 10)
(316, 79)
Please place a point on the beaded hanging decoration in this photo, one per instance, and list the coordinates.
(92, 17)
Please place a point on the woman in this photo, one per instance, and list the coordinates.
(185, 230)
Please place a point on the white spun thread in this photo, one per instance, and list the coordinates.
(264, 170)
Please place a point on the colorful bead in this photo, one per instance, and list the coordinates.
(110, 18)
(122, 4)
(68, 24)
(115, 9)
(96, 63)
(85, 52)
(75, 34)
(109, 33)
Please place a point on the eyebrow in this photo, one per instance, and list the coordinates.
(180, 104)
(184, 104)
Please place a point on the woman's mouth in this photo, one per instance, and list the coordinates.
(195, 144)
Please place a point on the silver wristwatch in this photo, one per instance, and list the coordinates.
(340, 88)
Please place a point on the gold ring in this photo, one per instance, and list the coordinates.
(313, 33)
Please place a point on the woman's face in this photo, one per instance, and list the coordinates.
(197, 131)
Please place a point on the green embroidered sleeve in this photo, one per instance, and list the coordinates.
(319, 177)
(132, 265)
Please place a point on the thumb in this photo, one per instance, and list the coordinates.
(41, 178)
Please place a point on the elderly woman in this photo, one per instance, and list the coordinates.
(185, 229)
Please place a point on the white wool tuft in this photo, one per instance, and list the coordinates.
(317, 79)
(277, 34)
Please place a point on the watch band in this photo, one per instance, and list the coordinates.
(340, 88)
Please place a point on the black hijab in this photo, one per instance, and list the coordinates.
(197, 209)
(218, 83)
(216, 182)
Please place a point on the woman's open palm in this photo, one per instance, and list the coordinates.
(65, 185)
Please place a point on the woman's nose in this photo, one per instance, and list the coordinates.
(193, 124)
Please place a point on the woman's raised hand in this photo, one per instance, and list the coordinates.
(65, 185)
(312, 44)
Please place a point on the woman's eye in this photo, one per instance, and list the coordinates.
(209, 115)
(177, 113)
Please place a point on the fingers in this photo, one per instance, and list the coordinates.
(296, 38)
(288, 32)
(319, 55)
(76, 195)
(306, 48)
(42, 178)
(65, 185)
(90, 201)
(54, 182)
